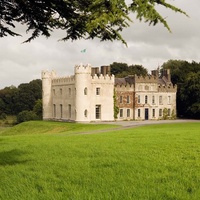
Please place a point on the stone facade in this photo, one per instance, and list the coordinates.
(82, 97)
(88, 96)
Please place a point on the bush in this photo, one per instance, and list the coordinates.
(26, 116)
(3, 116)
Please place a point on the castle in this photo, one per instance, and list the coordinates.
(92, 94)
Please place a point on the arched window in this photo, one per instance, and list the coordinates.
(146, 87)
(85, 91)
(85, 113)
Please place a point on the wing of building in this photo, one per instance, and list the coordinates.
(89, 94)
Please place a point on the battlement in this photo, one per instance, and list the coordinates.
(146, 79)
(63, 80)
(103, 79)
(83, 69)
(125, 86)
(48, 74)
(167, 88)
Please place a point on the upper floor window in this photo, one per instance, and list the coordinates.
(70, 91)
(153, 99)
(60, 91)
(146, 99)
(169, 99)
(85, 91)
(97, 91)
(128, 99)
(160, 100)
(138, 98)
(146, 87)
(120, 99)
(54, 92)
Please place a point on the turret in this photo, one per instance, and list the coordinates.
(46, 93)
(83, 87)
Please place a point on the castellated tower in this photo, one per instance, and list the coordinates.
(83, 88)
(46, 93)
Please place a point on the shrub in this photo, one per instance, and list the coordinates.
(26, 116)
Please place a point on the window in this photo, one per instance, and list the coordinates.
(138, 98)
(121, 112)
(85, 91)
(70, 91)
(160, 112)
(60, 91)
(85, 113)
(138, 112)
(128, 112)
(69, 110)
(97, 91)
(146, 87)
(153, 99)
(169, 99)
(54, 92)
(128, 99)
(146, 99)
(61, 111)
(153, 113)
(168, 112)
(120, 99)
(160, 100)
(54, 110)
(98, 111)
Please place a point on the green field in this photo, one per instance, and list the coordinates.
(53, 161)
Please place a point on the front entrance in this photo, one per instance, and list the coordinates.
(146, 117)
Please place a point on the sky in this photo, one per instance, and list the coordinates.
(149, 46)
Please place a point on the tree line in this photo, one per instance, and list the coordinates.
(25, 101)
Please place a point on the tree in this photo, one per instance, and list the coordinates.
(121, 70)
(187, 78)
(103, 19)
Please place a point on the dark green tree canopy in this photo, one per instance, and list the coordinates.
(104, 19)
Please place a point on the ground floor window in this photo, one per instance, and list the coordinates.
(153, 113)
(160, 112)
(168, 112)
(54, 110)
(139, 113)
(98, 111)
(128, 112)
(69, 110)
(61, 111)
(85, 113)
(121, 112)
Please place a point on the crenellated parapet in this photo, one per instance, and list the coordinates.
(63, 80)
(83, 69)
(103, 79)
(146, 79)
(48, 74)
(167, 88)
(125, 87)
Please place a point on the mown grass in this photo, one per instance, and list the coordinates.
(151, 162)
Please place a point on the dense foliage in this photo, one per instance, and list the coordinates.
(26, 96)
(187, 77)
(122, 70)
(103, 19)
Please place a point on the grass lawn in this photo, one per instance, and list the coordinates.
(50, 161)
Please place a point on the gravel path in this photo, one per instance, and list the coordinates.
(132, 124)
